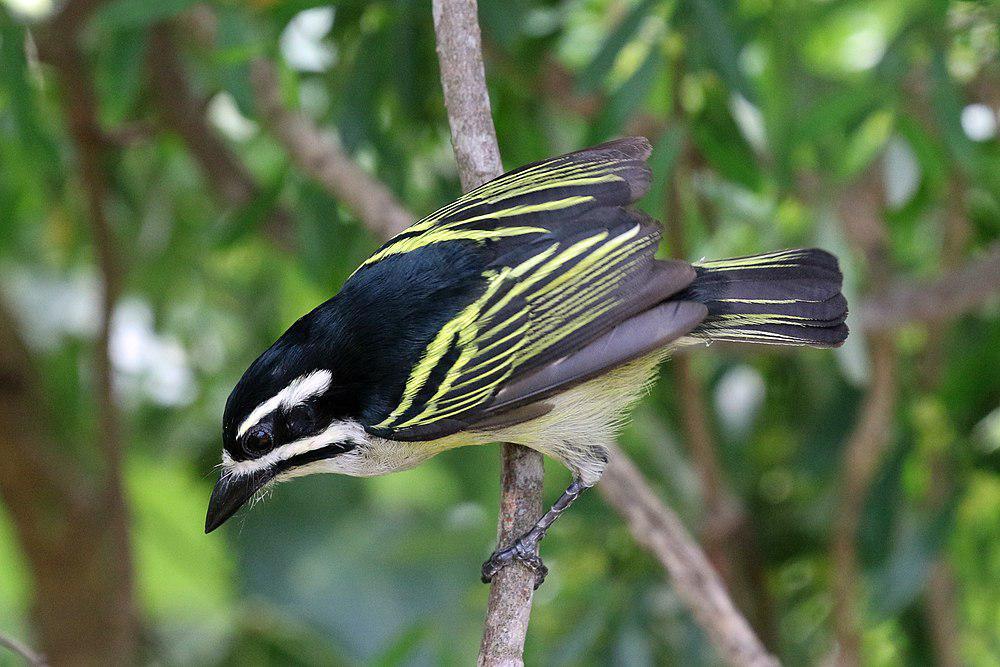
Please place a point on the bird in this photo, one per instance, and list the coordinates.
(531, 310)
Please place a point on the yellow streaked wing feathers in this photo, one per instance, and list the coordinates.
(525, 311)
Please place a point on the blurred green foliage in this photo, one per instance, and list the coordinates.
(768, 111)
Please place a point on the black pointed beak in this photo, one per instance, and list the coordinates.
(230, 493)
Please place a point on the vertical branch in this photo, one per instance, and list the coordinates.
(473, 136)
(91, 586)
(862, 457)
(941, 610)
(862, 218)
(463, 79)
(80, 108)
(727, 532)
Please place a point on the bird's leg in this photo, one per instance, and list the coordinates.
(525, 548)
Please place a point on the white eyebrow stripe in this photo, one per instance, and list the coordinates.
(338, 431)
(298, 391)
(260, 411)
(307, 386)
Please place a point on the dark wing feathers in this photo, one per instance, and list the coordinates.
(788, 297)
(565, 263)
(633, 338)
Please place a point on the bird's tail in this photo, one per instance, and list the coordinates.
(791, 297)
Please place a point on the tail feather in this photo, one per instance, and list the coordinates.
(791, 297)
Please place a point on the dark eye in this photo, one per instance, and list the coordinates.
(258, 441)
(301, 421)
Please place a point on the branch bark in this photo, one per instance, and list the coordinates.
(73, 526)
(463, 79)
(661, 531)
(959, 291)
(25, 652)
(320, 156)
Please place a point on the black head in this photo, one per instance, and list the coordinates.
(286, 413)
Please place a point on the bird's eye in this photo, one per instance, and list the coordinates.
(259, 441)
(301, 421)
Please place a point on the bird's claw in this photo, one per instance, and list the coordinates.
(520, 552)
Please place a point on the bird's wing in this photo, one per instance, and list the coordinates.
(546, 197)
(568, 266)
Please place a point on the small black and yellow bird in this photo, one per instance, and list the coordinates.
(531, 310)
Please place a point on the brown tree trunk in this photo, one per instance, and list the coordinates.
(82, 583)
(70, 515)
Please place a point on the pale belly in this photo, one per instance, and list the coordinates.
(580, 424)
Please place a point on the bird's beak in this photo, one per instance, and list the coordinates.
(230, 493)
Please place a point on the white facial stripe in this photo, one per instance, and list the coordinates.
(260, 411)
(298, 391)
(307, 386)
(338, 431)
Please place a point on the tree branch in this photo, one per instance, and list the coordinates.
(661, 531)
(861, 214)
(22, 650)
(97, 585)
(463, 79)
(955, 293)
(320, 156)
(183, 111)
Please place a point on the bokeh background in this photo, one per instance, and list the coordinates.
(160, 226)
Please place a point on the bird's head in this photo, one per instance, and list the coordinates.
(285, 418)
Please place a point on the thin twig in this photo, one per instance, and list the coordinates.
(959, 291)
(28, 654)
(661, 531)
(463, 78)
(320, 156)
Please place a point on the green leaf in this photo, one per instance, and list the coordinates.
(120, 74)
(625, 101)
(595, 71)
(866, 143)
(712, 34)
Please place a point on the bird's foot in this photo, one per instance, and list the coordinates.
(522, 551)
